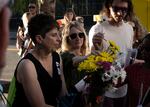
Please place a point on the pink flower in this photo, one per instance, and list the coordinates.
(105, 65)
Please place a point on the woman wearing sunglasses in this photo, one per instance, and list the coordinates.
(74, 50)
(32, 7)
(74, 47)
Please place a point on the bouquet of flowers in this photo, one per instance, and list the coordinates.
(103, 71)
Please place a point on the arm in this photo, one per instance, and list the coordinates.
(25, 20)
(96, 38)
(26, 75)
(20, 37)
(4, 33)
(77, 59)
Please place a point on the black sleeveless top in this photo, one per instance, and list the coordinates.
(51, 86)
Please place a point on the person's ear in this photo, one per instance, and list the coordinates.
(39, 38)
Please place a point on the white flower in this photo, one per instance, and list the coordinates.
(116, 75)
(112, 89)
(106, 76)
(123, 75)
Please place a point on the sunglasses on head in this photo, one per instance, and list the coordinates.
(122, 9)
(33, 7)
(74, 35)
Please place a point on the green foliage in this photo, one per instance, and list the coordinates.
(19, 6)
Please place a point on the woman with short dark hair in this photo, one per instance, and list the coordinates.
(39, 76)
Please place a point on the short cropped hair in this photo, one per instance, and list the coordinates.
(40, 25)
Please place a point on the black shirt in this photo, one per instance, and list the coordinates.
(50, 85)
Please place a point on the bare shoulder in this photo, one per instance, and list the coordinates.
(26, 70)
(25, 63)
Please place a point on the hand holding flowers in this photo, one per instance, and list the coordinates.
(103, 71)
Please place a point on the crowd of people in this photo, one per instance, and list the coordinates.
(51, 51)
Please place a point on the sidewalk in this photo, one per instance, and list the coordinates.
(12, 59)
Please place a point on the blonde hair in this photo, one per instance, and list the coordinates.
(65, 40)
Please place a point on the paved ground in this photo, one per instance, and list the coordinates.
(11, 59)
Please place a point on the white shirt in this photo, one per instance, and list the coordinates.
(123, 36)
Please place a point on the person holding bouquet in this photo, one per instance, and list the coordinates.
(121, 33)
(104, 72)
(74, 50)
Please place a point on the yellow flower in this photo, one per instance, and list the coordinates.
(90, 64)
(114, 46)
(105, 54)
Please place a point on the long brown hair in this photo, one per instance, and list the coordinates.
(109, 3)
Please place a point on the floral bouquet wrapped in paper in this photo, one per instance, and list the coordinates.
(104, 72)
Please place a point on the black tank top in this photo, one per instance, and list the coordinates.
(50, 85)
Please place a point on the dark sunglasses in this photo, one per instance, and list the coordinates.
(122, 9)
(74, 35)
(33, 7)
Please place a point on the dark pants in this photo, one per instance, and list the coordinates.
(114, 102)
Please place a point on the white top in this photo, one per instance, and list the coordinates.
(3, 3)
(123, 36)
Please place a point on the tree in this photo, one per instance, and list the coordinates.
(19, 6)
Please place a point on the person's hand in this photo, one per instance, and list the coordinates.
(95, 52)
(138, 61)
(82, 86)
(97, 41)
(21, 35)
(66, 19)
(18, 46)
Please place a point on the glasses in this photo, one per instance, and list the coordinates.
(31, 7)
(122, 9)
(74, 35)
